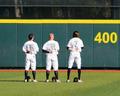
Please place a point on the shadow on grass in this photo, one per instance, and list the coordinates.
(17, 81)
(11, 80)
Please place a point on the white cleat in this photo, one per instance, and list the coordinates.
(58, 81)
(25, 80)
(47, 81)
(35, 81)
(68, 81)
(80, 81)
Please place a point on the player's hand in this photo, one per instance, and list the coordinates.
(28, 52)
(77, 49)
(70, 48)
(50, 52)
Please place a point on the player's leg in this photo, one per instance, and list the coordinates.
(55, 67)
(34, 74)
(27, 66)
(70, 64)
(56, 74)
(78, 62)
(33, 67)
(79, 74)
(26, 75)
(68, 73)
(47, 75)
(48, 67)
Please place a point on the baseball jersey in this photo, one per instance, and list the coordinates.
(75, 44)
(51, 46)
(31, 46)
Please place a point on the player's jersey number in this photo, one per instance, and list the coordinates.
(106, 37)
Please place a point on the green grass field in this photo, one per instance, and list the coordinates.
(95, 84)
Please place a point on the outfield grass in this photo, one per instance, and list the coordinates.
(95, 84)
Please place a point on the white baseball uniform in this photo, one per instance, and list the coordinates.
(33, 48)
(75, 44)
(52, 47)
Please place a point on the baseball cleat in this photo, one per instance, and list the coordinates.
(47, 81)
(35, 81)
(58, 81)
(25, 80)
(80, 81)
(68, 81)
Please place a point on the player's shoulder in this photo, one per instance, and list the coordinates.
(53, 41)
(56, 42)
(71, 39)
(27, 42)
(74, 39)
(79, 39)
(47, 42)
(34, 42)
(31, 42)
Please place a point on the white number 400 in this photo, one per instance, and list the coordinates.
(106, 37)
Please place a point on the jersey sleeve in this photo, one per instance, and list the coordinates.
(82, 45)
(36, 47)
(45, 46)
(69, 44)
(58, 47)
(24, 48)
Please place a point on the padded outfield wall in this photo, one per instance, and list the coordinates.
(101, 39)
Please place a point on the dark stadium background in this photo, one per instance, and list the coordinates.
(67, 9)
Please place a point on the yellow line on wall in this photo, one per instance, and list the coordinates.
(57, 21)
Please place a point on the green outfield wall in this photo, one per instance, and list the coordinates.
(101, 39)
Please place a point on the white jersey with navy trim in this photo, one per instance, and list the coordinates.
(30, 48)
(74, 45)
(52, 47)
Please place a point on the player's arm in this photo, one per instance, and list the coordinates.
(45, 51)
(24, 48)
(82, 47)
(58, 47)
(69, 46)
(37, 48)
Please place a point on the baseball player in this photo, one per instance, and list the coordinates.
(75, 46)
(30, 48)
(51, 49)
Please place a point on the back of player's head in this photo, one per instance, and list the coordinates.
(76, 34)
(30, 36)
